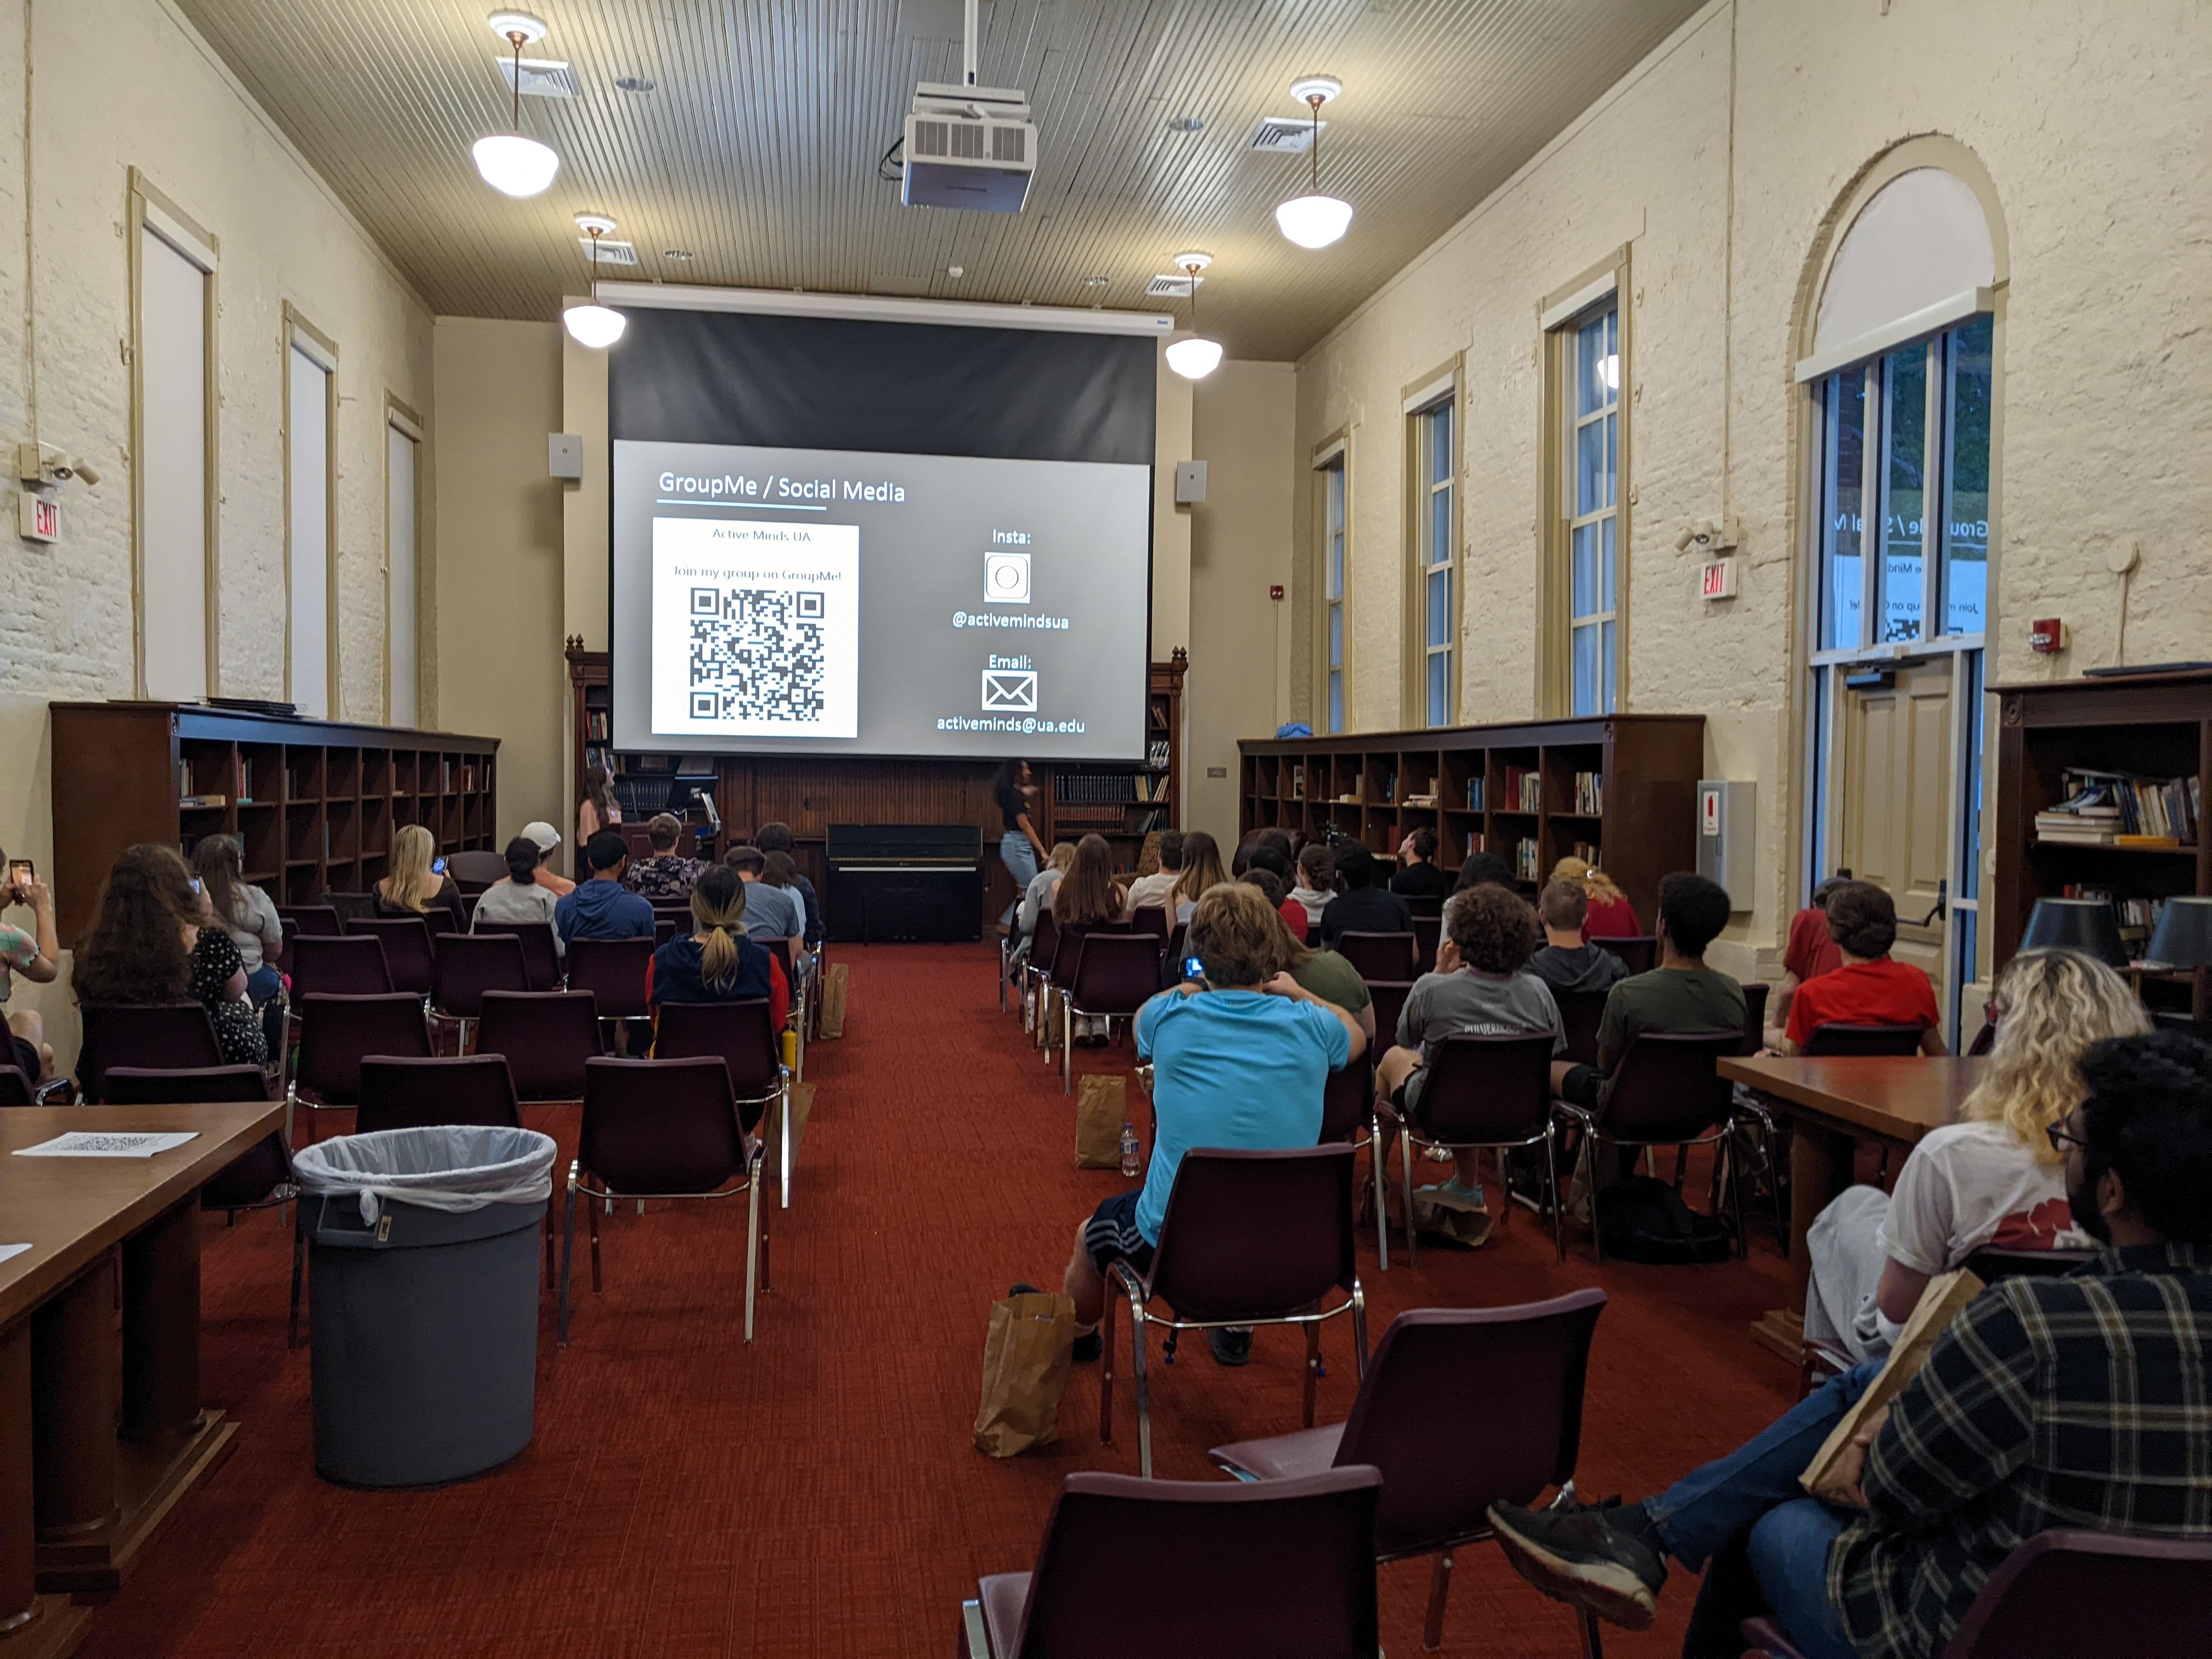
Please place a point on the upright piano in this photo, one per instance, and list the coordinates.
(904, 881)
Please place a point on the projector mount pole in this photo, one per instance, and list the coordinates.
(968, 45)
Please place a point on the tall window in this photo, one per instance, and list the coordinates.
(1333, 557)
(1437, 551)
(175, 445)
(310, 404)
(401, 436)
(1592, 493)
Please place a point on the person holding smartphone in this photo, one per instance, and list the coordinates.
(36, 955)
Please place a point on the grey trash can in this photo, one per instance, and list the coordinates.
(423, 1246)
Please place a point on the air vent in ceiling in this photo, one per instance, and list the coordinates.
(1177, 287)
(1284, 135)
(612, 252)
(540, 77)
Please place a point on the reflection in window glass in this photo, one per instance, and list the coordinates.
(1843, 472)
(1905, 492)
(1966, 477)
(1593, 486)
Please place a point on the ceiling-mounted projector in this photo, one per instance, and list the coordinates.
(968, 147)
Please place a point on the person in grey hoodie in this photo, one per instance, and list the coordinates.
(603, 908)
(1567, 962)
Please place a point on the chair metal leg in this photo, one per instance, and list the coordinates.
(752, 1248)
(1377, 1166)
(1143, 1397)
(1593, 1643)
(1736, 1193)
(760, 1166)
(783, 1145)
(1067, 1046)
(1405, 1159)
(299, 1271)
(568, 1254)
(1432, 1633)
(1313, 1369)
(1589, 1191)
(1358, 1332)
(1106, 1365)
(1552, 1183)
(1774, 1186)
(591, 1225)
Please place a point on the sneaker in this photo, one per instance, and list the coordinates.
(1231, 1346)
(1584, 1554)
(1089, 1346)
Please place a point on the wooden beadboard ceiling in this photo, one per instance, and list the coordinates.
(758, 150)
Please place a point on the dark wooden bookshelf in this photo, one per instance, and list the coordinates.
(1369, 786)
(314, 803)
(2154, 726)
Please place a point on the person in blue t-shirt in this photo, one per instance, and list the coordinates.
(1239, 1062)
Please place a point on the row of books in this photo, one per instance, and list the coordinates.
(1094, 789)
(2109, 809)
(596, 725)
(1522, 789)
(1587, 852)
(2137, 917)
(1525, 865)
(1156, 753)
(1590, 792)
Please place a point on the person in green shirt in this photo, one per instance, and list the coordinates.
(1324, 973)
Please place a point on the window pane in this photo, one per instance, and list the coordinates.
(1335, 499)
(1335, 700)
(1967, 482)
(1336, 637)
(1585, 561)
(1439, 606)
(1336, 567)
(1586, 669)
(1904, 485)
(1439, 688)
(1605, 654)
(1440, 450)
(1843, 471)
(1440, 532)
(1596, 369)
(1589, 468)
(1605, 566)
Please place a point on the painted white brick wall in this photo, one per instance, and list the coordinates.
(2091, 122)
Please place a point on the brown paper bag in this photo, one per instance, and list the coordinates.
(1101, 1109)
(1940, 1303)
(836, 978)
(1025, 1364)
(1462, 1221)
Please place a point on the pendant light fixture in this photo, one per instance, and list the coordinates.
(591, 324)
(1196, 357)
(1314, 220)
(511, 163)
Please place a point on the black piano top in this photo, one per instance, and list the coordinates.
(948, 844)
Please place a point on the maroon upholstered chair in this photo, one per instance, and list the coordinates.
(257, 1178)
(1347, 1115)
(613, 970)
(1460, 1408)
(1755, 1015)
(1191, 1570)
(1428, 935)
(1059, 973)
(547, 1036)
(1249, 1238)
(322, 919)
(1387, 956)
(1580, 1014)
(2068, 1592)
(1389, 1002)
(470, 965)
(662, 1129)
(1152, 918)
(665, 928)
(1838, 1038)
(407, 953)
(349, 905)
(541, 955)
(336, 1034)
(743, 1036)
(1477, 1092)
(780, 950)
(1639, 950)
(15, 1089)
(1115, 975)
(415, 1091)
(474, 868)
(350, 964)
(165, 1036)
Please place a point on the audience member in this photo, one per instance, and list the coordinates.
(1365, 906)
(1418, 876)
(664, 878)
(154, 940)
(250, 916)
(417, 883)
(779, 870)
(1611, 916)
(1478, 989)
(771, 913)
(1485, 869)
(547, 839)
(1316, 882)
(1567, 962)
(599, 811)
(1088, 897)
(1240, 1058)
(1253, 839)
(1992, 1179)
(1871, 988)
(1324, 973)
(2051, 1402)
(1810, 952)
(1201, 870)
(1038, 896)
(1292, 913)
(777, 837)
(603, 908)
(1155, 888)
(522, 894)
(1277, 863)
(37, 957)
(1020, 847)
(717, 961)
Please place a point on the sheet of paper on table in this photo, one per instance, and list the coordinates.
(9, 1252)
(87, 1143)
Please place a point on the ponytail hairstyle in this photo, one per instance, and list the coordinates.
(718, 916)
(219, 862)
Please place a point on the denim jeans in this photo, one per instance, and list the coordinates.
(1020, 859)
(1766, 1540)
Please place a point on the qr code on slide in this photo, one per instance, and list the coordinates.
(757, 653)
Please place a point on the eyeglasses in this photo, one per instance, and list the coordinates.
(2060, 1140)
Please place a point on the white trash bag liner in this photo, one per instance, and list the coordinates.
(455, 1167)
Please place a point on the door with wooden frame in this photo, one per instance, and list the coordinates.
(1894, 788)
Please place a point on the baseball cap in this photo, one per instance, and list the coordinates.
(543, 833)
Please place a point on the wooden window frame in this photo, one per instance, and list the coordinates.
(1333, 454)
(1440, 388)
(401, 417)
(300, 335)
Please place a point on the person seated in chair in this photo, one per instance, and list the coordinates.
(1871, 988)
(1316, 882)
(36, 955)
(1811, 951)
(603, 908)
(2058, 1401)
(1567, 962)
(1365, 906)
(1292, 913)
(521, 895)
(1418, 875)
(716, 961)
(775, 837)
(771, 912)
(1153, 889)
(1240, 1058)
(1477, 990)
(663, 878)
(1484, 868)
(547, 840)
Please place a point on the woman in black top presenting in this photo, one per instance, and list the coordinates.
(1020, 849)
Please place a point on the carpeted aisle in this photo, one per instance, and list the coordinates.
(816, 1493)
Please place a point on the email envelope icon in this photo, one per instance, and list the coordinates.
(1004, 691)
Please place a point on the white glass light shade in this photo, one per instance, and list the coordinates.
(1194, 358)
(1313, 220)
(593, 325)
(515, 165)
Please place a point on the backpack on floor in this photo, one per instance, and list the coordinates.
(1642, 1220)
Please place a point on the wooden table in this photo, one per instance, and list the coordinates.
(87, 1483)
(1834, 1103)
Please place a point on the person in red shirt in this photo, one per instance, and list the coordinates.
(1809, 954)
(1610, 914)
(1870, 988)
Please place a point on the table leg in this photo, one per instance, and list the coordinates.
(162, 1328)
(73, 1408)
(1819, 1168)
(31, 1626)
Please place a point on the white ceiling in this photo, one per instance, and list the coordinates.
(758, 150)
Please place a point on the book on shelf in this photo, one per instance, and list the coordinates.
(1523, 787)
(1524, 857)
(1298, 782)
(595, 725)
(193, 803)
(1590, 792)
(1156, 753)
(2100, 806)
(1475, 794)
(1586, 851)
(2137, 917)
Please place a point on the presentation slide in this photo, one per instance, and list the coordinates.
(843, 602)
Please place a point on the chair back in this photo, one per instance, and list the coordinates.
(1152, 918)
(1256, 1233)
(476, 866)
(1044, 941)
(17, 1088)
(1428, 935)
(1487, 1091)
(665, 928)
(350, 965)
(338, 1032)
(1379, 956)
(1755, 1015)
(349, 905)
(1389, 1001)
(780, 950)
(163, 1035)
(541, 957)
(1838, 1038)
(1985, 1040)
(1639, 950)
(312, 918)
(470, 965)
(659, 1126)
(548, 1036)
(420, 1092)
(2068, 1592)
(1418, 905)
(1464, 1407)
(1581, 1013)
(183, 1085)
(1347, 1101)
(1115, 973)
(407, 951)
(678, 916)
(1989, 1264)
(740, 1034)
(613, 970)
(1666, 1089)
(1178, 946)
(1196, 1569)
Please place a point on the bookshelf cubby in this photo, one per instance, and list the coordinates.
(313, 802)
(1647, 768)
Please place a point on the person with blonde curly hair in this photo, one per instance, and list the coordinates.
(1610, 914)
(1992, 1179)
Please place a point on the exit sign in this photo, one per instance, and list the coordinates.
(1716, 578)
(38, 518)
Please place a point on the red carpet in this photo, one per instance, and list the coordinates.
(816, 1494)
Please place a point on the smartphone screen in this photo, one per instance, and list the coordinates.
(22, 870)
(1193, 967)
(437, 867)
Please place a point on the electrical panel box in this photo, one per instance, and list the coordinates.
(1728, 846)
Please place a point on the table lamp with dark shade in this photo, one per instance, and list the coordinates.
(2183, 938)
(2075, 924)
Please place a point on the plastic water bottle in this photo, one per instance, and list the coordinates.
(1130, 1163)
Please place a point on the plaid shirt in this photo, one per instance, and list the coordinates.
(2077, 1402)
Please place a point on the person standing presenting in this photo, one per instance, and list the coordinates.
(1021, 849)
